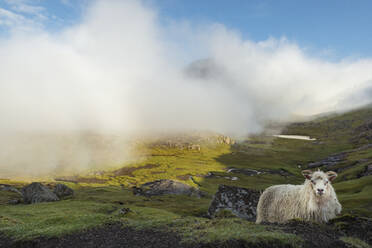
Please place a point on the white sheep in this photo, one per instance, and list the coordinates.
(315, 200)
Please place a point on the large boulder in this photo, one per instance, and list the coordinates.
(36, 192)
(166, 187)
(62, 190)
(241, 202)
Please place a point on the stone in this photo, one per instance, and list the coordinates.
(36, 193)
(166, 187)
(251, 172)
(241, 202)
(329, 162)
(6, 187)
(62, 190)
(14, 201)
(194, 147)
(248, 172)
(367, 171)
(137, 191)
(124, 211)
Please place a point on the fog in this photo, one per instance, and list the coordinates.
(123, 70)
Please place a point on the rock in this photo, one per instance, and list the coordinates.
(329, 161)
(194, 147)
(14, 201)
(166, 187)
(36, 192)
(210, 175)
(6, 187)
(241, 202)
(62, 190)
(225, 140)
(364, 147)
(124, 211)
(248, 172)
(251, 172)
(136, 190)
(12, 198)
(314, 164)
(367, 171)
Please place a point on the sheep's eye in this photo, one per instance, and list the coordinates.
(326, 182)
(312, 181)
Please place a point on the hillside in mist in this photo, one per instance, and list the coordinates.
(203, 161)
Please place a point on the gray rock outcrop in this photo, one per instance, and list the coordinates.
(165, 187)
(251, 172)
(329, 161)
(62, 190)
(36, 192)
(241, 202)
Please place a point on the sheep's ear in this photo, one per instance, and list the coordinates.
(307, 174)
(331, 175)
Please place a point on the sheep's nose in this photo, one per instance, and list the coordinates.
(320, 191)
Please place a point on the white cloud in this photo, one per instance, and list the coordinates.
(66, 2)
(121, 71)
(23, 15)
(13, 20)
(24, 6)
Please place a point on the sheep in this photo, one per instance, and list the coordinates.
(315, 200)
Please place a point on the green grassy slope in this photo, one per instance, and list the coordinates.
(98, 202)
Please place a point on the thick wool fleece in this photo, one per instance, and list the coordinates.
(281, 203)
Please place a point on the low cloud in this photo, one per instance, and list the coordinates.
(122, 70)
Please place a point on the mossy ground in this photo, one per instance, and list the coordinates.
(96, 204)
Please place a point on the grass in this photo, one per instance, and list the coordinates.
(354, 242)
(207, 231)
(95, 204)
(52, 219)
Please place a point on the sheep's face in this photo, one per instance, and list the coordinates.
(320, 181)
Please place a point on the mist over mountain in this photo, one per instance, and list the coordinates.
(121, 69)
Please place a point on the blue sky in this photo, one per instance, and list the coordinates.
(341, 28)
(334, 29)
